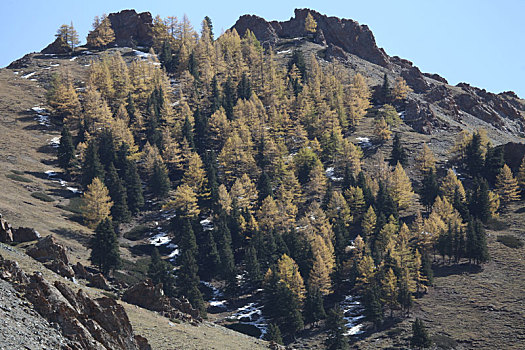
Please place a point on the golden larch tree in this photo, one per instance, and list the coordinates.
(507, 186)
(96, 203)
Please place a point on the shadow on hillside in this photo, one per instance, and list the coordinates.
(47, 149)
(520, 210)
(457, 269)
(78, 236)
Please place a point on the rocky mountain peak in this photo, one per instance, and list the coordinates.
(344, 33)
(132, 28)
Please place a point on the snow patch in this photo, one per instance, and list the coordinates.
(55, 141)
(352, 310)
(364, 142)
(27, 76)
(54, 65)
(74, 190)
(330, 174)
(74, 58)
(160, 239)
(252, 314)
(206, 224)
(284, 51)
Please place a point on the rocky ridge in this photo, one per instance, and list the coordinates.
(433, 102)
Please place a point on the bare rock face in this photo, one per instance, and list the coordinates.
(47, 249)
(98, 281)
(344, 33)
(6, 234)
(25, 234)
(485, 105)
(149, 296)
(57, 47)
(132, 28)
(415, 79)
(421, 117)
(87, 323)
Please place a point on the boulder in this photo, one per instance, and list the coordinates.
(131, 28)
(61, 268)
(47, 249)
(11, 272)
(57, 47)
(98, 281)
(6, 234)
(25, 234)
(150, 296)
(81, 272)
(436, 77)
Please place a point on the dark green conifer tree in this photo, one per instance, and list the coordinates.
(159, 181)
(335, 324)
(66, 150)
(494, 161)
(106, 148)
(479, 200)
(104, 246)
(134, 188)
(399, 154)
(244, 88)
(264, 187)
(119, 211)
(210, 260)
(374, 310)
(91, 167)
(274, 334)
(161, 272)
(314, 306)
(253, 268)
(228, 98)
(187, 133)
(474, 156)
(420, 338)
(386, 94)
(429, 189)
(215, 96)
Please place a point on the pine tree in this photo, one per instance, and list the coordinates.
(187, 279)
(159, 181)
(426, 160)
(253, 268)
(290, 276)
(313, 306)
(401, 188)
(386, 94)
(91, 167)
(161, 272)
(398, 154)
(389, 291)
(210, 259)
(118, 194)
(66, 150)
(430, 188)
(134, 188)
(420, 338)
(273, 334)
(373, 306)
(474, 155)
(104, 247)
(96, 203)
(494, 161)
(335, 324)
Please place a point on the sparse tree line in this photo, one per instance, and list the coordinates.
(216, 128)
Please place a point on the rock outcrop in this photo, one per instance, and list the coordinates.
(6, 233)
(131, 28)
(345, 33)
(47, 249)
(421, 117)
(149, 296)
(57, 47)
(25, 234)
(88, 323)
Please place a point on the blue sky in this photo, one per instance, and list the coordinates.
(479, 42)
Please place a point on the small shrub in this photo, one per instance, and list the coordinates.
(510, 241)
(19, 178)
(137, 233)
(42, 196)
